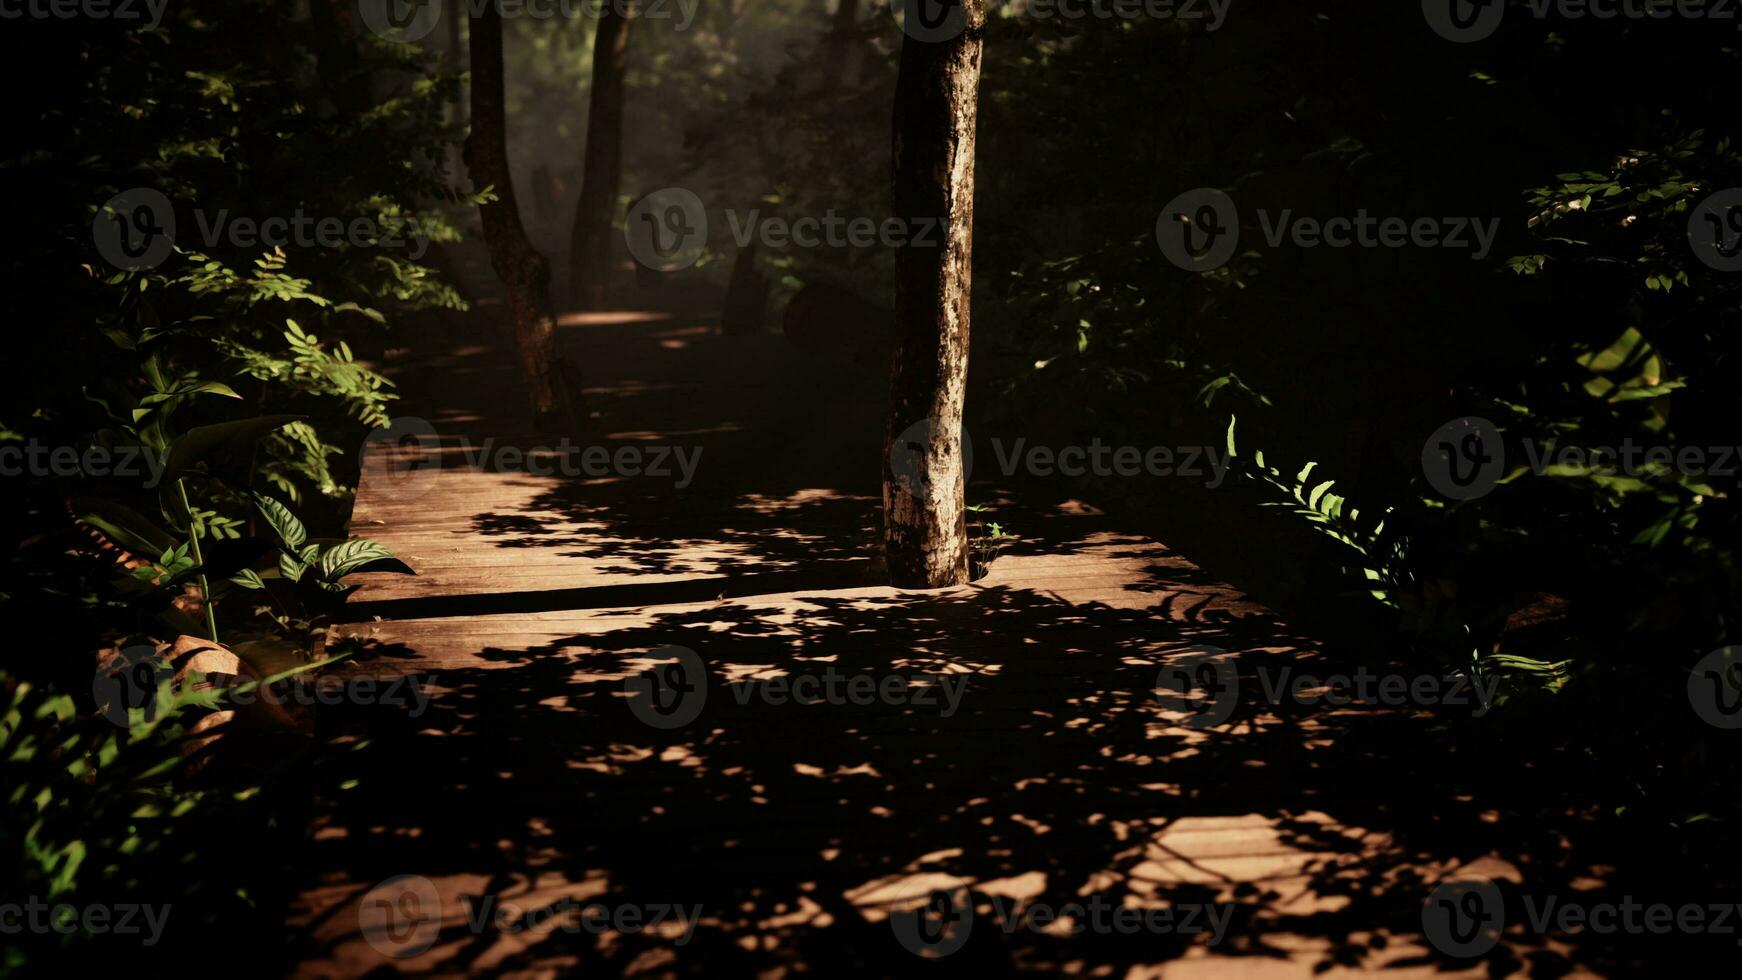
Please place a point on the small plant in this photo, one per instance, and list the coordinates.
(1384, 569)
(986, 545)
(199, 546)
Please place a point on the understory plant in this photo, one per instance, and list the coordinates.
(187, 423)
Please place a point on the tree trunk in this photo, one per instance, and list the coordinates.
(523, 271)
(924, 515)
(847, 16)
(602, 165)
(746, 308)
(336, 53)
(455, 12)
(842, 46)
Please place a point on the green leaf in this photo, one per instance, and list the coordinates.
(124, 525)
(194, 388)
(354, 308)
(214, 388)
(291, 534)
(199, 441)
(248, 578)
(353, 556)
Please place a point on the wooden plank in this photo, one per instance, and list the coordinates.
(526, 776)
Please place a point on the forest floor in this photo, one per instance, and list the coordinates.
(1016, 747)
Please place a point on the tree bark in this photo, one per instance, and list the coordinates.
(746, 308)
(924, 513)
(455, 12)
(524, 272)
(842, 46)
(336, 53)
(847, 16)
(602, 164)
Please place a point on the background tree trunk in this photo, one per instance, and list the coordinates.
(602, 165)
(336, 54)
(924, 513)
(523, 271)
(847, 16)
(842, 46)
(746, 307)
(456, 62)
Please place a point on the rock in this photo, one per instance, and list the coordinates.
(222, 668)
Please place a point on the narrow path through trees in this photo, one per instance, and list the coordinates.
(1042, 765)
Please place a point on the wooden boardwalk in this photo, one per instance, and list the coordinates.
(794, 830)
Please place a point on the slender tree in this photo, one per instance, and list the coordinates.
(847, 16)
(335, 45)
(747, 290)
(455, 13)
(841, 46)
(524, 272)
(936, 99)
(602, 164)
(746, 308)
